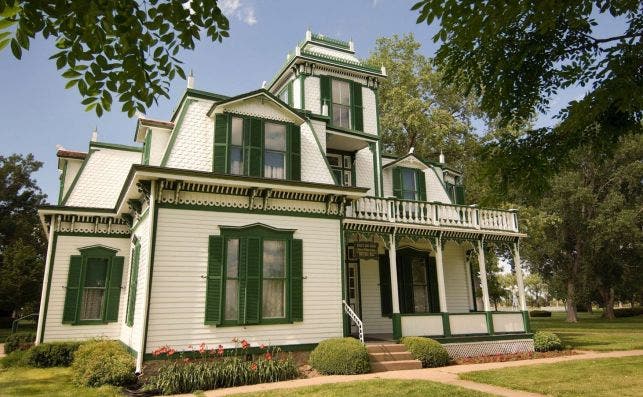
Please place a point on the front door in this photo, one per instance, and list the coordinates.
(352, 273)
(417, 282)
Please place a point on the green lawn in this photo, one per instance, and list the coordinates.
(51, 382)
(607, 377)
(374, 388)
(593, 332)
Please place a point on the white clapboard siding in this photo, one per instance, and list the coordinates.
(193, 139)
(160, 138)
(177, 302)
(66, 246)
(374, 322)
(364, 171)
(131, 336)
(455, 278)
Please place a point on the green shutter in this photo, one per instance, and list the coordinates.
(294, 152)
(253, 143)
(421, 185)
(406, 301)
(133, 283)
(397, 182)
(214, 282)
(434, 297)
(386, 300)
(72, 294)
(147, 147)
(296, 281)
(114, 289)
(325, 93)
(356, 106)
(220, 161)
(449, 187)
(290, 96)
(252, 290)
(459, 194)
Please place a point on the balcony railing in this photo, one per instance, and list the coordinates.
(433, 214)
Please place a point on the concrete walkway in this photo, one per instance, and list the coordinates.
(447, 375)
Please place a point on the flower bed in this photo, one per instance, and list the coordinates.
(207, 368)
(496, 358)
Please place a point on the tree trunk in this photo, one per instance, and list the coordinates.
(608, 302)
(570, 303)
(589, 308)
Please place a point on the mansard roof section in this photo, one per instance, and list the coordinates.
(330, 53)
(101, 176)
(254, 103)
(197, 94)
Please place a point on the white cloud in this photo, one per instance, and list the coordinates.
(236, 9)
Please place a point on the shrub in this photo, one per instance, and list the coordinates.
(628, 312)
(214, 370)
(547, 341)
(17, 358)
(540, 313)
(430, 352)
(340, 356)
(54, 354)
(19, 341)
(102, 362)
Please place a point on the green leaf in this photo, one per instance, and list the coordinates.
(15, 48)
(3, 43)
(5, 23)
(71, 83)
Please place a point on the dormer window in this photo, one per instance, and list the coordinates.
(341, 105)
(409, 184)
(236, 146)
(275, 151)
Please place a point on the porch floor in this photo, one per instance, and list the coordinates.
(378, 338)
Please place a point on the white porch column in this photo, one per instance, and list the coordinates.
(392, 259)
(45, 284)
(483, 277)
(442, 294)
(519, 279)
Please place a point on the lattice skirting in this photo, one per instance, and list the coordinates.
(488, 348)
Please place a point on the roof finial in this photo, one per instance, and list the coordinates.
(191, 79)
(442, 160)
(263, 85)
(95, 134)
(412, 149)
(309, 34)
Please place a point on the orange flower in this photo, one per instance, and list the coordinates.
(171, 352)
(262, 346)
(202, 347)
(186, 360)
(244, 344)
(268, 356)
(220, 350)
(253, 367)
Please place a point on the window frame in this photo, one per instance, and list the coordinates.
(403, 189)
(263, 233)
(349, 105)
(135, 257)
(94, 253)
(342, 156)
(264, 149)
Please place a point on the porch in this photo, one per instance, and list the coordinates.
(418, 269)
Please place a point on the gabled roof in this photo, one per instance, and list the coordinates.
(142, 124)
(262, 92)
(71, 154)
(425, 162)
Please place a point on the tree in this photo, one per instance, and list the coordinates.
(125, 49)
(22, 243)
(416, 109)
(535, 284)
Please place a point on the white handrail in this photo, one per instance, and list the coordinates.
(353, 316)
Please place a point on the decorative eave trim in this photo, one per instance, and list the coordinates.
(296, 114)
(198, 94)
(432, 231)
(352, 133)
(114, 146)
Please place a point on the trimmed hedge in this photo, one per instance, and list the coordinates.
(17, 358)
(102, 362)
(340, 356)
(547, 341)
(54, 354)
(19, 341)
(430, 352)
(540, 313)
(628, 311)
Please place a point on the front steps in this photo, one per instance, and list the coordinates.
(391, 357)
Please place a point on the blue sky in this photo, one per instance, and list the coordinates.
(37, 113)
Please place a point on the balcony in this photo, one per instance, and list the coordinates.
(432, 214)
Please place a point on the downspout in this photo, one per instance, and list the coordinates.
(46, 283)
(150, 258)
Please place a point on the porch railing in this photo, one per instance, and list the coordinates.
(355, 318)
(434, 214)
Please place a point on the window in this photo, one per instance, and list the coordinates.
(455, 191)
(344, 101)
(286, 94)
(236, 146)
(420, 286)
(93, 286)
(417, 282)
(409, 184)
(342, 166)
(254, 277)
(275, 151)
(341, 104)
(255, 147)
(133, 284)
